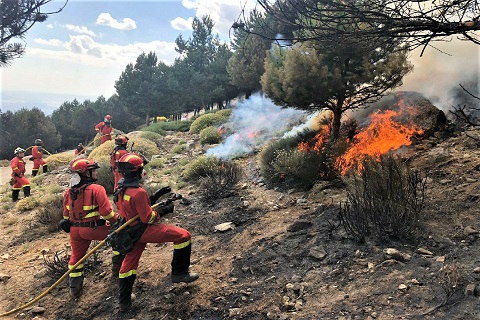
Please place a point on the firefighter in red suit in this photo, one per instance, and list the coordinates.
(119, 150)
(87, 215)
(131, 200)
(18, 174)
(37, 155)
(105, 129)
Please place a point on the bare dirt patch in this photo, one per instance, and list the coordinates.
(285, 258)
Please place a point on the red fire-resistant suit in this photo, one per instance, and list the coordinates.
(18, 173)
(37, 155)
(105, 130)
(135, 201)
(86, 214)
(118, 152)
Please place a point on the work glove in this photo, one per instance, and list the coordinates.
(165, 209)
(117, 224)
(18, 175)
(64, 224)
(157, 194)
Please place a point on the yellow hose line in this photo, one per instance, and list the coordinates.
(69, 271)
(73, 268)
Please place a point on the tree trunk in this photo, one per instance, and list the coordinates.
(147, 120)
(337, 117)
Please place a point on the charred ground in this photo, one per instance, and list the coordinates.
(284, 258)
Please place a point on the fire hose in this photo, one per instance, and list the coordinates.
(88, 254)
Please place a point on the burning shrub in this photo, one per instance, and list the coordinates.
(219, 183)
(210, 135)
(385, 199)
(290, 162)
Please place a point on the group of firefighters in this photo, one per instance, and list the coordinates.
(88, 214)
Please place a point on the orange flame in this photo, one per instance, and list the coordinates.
(320, 140)
(381, 136)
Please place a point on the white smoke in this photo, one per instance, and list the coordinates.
(252, 123)
(313, 123)
(438, 73)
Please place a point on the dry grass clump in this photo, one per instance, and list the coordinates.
(136, 144)
(58, 160)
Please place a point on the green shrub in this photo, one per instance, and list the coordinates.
(156, 163)
(224, 114)
(201, 167)
(179, 126)
(105, 175)
(155, 128)
(5, 163)
(210, 135)
(206, 120)
(281, 162)
(179, 148)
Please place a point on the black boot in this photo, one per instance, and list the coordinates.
(76, 285)
(126, 287)
(34, 172)
(45, 168)
(15, 194)
(180, 265)
(26, 191)
(117, 260)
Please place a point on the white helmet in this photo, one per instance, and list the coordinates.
(19, 150)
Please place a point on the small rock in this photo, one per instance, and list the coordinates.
(424, 252)
(470, 289)
(398, 255)
(225, 226)
(38, 310)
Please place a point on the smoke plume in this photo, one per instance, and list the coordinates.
(252, 123)
(442, 67)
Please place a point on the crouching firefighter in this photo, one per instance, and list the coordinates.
(132, 200)
(87, 215)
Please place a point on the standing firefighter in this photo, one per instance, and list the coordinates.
(105, 129)
(131, 200)
(119, 150)
(18, 174)
(86, 210)
(37, 155)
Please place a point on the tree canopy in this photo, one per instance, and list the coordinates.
(308, 78)
(416, 22)
(17, 17)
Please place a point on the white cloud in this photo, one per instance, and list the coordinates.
(80, 29)
(223, 12)
(105, 19)
(84, 49)
(51, 42)
(181, 23)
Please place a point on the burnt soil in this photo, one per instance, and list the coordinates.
(286, 257)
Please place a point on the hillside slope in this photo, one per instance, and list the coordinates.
(285, 257)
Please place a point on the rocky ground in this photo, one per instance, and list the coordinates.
(280, 255)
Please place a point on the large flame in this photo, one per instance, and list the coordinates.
(382, 135)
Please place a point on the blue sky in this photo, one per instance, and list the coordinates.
(80, 52)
